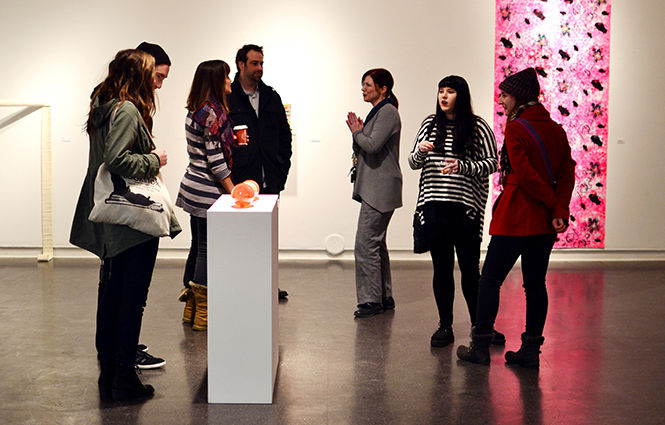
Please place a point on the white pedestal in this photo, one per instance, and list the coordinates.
(243, 327)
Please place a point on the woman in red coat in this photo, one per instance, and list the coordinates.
(538, 176)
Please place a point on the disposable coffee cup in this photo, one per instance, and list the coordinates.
(241, 135)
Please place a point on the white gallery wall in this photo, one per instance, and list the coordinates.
(315, 54)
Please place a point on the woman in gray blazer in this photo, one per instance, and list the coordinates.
(377, 186)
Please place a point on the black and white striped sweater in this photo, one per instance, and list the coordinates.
(470, 185)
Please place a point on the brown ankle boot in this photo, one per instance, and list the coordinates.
(201, 311)
(479, 349)
(187, 296)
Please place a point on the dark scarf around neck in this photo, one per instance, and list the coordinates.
(378, 106)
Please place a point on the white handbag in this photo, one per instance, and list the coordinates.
(143, 205)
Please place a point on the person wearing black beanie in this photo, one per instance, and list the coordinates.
(161, 58)
(162, 61)
(538, 177)
(162, 67)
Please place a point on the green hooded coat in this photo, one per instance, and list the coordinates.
(125, 148)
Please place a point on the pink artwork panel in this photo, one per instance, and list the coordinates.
(568, 43)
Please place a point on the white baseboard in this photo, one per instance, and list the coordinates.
(558, 255)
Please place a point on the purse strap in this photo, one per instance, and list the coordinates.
(541, 146)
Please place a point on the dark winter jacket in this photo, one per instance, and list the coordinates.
(268, 152)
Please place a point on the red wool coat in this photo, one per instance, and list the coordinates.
(529, 202)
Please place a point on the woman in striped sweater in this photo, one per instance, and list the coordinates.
(209, 134)
(456, 152)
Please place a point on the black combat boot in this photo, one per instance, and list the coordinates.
(529, 353)
(127, 385)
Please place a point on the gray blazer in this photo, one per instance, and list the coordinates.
(379, 178)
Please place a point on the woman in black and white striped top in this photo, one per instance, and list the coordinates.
(456, 152)
(209, 134)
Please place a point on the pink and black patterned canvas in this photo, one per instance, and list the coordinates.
(568, 42)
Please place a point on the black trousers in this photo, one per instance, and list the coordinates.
(123, 291)
(502, 253)
(451, 231)
(197, 259)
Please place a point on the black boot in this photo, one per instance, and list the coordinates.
(127, 385)
(479, 349)
(442, 337)
(105, 379)
(529, 353)
(498, 338)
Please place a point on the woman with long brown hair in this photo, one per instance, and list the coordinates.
(209, 134)
(119, 126)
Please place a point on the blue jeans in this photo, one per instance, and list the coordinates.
(502, 253)
(197, 260)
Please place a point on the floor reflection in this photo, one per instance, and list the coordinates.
(601, 362)
(371, 355)
(568, 379)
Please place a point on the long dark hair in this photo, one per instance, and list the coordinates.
(130, 78)
(465, 120)
(209, 83)
(382, 78)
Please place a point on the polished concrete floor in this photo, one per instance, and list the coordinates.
(603, 361)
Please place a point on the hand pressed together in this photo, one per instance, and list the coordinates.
(354, 122)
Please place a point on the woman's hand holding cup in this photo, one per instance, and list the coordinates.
(451, 166)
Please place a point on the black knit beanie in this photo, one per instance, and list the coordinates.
(161, 58)
(522, 85)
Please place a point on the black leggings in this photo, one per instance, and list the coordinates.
(123, 291)
(451, 231)
(502, 254)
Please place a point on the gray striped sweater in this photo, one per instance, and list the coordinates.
(201, 185)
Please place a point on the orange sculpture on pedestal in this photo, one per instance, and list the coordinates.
(245, 194)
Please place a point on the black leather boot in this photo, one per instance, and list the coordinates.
(529, 353)
(127, 385)
(442, 337)
(498, 338)
(105, 379)
(479, 349)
